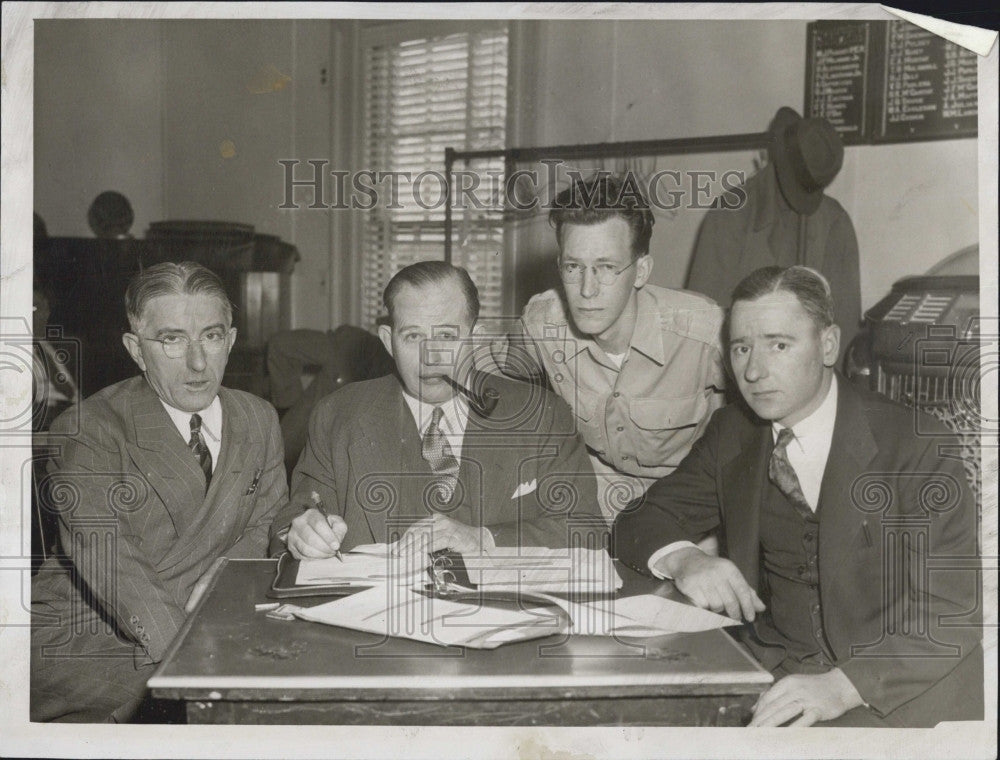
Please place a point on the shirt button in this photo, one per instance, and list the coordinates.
(808, 537)
(617, 394)
(816, 609)
(558, 377)
(621, 428)
(134, 619)
(802, 570)
(558, 357)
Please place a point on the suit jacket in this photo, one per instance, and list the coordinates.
(881, 478)
(363, 459)
(124, 471)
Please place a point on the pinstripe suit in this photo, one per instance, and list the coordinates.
(138, 530)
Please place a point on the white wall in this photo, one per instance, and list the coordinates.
(98, 89)
(238, 97)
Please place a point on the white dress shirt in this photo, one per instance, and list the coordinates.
(453, 422)
(807, 453)
(211, 425)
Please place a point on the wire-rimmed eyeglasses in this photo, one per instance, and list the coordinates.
(176, 346)
(572, 271)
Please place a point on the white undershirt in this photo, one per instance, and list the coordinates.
(211, 425)
(807, 453)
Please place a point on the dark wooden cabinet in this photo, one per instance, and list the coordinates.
(89, 277)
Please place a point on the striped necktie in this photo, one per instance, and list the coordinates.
(200, 449)
(783, 475)
(437, 451)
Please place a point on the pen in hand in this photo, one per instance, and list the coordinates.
(318, 504)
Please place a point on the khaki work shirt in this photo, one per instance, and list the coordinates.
(642, 419)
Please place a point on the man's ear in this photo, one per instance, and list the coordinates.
(134, 349)
(232, 339)
(385, 335)
(643, 268)
(830, 340)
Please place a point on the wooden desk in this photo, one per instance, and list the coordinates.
(234, 665)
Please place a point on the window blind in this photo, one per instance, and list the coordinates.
(421, 96)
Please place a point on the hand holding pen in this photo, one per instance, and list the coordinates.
(317, 533)
(318, 503)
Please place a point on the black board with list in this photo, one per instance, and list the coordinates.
(890, 81)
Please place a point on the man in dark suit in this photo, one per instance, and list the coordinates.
(832, 510)
(414, 455)
(156, 478)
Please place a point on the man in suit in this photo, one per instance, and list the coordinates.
(830, 506)
(414, 455)
(156, 478)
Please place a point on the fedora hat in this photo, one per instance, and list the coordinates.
(807, 154)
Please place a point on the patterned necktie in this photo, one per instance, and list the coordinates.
(783, 475)
(200, 449)
(437, 451)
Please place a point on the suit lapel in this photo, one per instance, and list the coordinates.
(381, 455)
(242, 450)
(158, 450)
(851, 451)
(744, 479)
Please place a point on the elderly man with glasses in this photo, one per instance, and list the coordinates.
(640, 365)
(154, 479)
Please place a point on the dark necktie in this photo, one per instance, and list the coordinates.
(783, 475)
(437, 451)
(200, 449)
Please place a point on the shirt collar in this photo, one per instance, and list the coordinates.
(818, 426)
(211, 420)
(455, 410)
(647, 338)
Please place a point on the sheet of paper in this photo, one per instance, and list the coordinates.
(536, 568)
(398, 611)
(643, 615)
(362, 564)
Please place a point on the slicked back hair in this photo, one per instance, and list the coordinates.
(169, 279)
(805, 283)
(432, 273)
(601, 197)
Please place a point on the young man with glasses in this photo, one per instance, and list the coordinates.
(155, 478)
(640, 365)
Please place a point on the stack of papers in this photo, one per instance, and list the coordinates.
(534, 568)
(362, 566)
(397, 600)
(528, 569)
(393, 611)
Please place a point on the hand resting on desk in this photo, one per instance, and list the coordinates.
(314, 535)
(711, 582)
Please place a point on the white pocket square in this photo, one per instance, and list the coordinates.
(525, 488)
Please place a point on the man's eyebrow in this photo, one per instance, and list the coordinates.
(216, 326)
